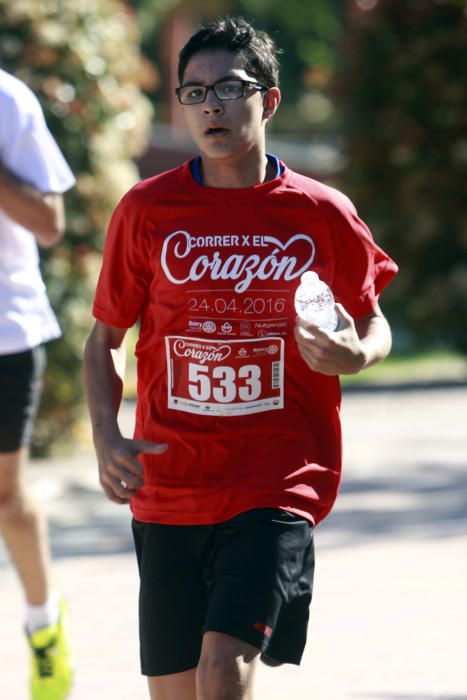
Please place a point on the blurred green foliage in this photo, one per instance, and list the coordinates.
(403, 91)
(307, 33)
(82, 60)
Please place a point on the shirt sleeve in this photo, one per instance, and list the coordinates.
(125, 276)
(362, 268)
(29, 150)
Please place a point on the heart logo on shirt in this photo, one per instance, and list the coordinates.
(183, 259)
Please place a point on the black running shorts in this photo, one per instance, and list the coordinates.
(250, 577)
(20, 391)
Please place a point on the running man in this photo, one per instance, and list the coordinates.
(33, 177)
(237, 448)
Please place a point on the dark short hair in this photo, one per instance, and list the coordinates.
(235, 34)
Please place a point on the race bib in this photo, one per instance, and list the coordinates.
(225, 378)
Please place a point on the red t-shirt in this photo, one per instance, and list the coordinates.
(211, 276)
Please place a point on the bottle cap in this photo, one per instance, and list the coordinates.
(309, 279)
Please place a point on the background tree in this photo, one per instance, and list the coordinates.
(82, 60)
(307, 33)
(404, 95)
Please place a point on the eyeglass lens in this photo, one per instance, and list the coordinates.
(225, 90)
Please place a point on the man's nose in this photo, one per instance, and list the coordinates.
(212, 103)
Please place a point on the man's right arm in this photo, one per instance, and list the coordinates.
(41, 214)
(120, 472)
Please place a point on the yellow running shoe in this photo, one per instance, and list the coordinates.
(52, 671)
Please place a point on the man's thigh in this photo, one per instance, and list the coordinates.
(11, 471)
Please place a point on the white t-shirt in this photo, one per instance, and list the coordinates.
(29, 151)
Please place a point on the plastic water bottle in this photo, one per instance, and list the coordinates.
(314, 302)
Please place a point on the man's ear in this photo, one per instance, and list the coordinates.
(271, 102)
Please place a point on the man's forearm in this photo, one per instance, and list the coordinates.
(103, 387)
(375, 335)
(41, 214)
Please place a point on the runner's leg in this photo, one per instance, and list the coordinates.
(23, 527)
(226, 668)
(175, 686)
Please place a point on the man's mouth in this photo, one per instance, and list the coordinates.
(215, 131)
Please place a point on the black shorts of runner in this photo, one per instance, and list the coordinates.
(250, 577)
(20, 391)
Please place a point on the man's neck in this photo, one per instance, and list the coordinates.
(235, 175)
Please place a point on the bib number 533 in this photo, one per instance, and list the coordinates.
(225, 378)
(224, 384)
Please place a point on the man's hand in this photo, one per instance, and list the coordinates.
(121, 474)
(327, 352)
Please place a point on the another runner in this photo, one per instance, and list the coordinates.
(237, 447)
(33, 177)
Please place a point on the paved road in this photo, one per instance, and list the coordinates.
(390, 610)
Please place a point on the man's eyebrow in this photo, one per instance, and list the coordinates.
(229, 76)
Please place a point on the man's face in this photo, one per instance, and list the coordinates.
(224, 130)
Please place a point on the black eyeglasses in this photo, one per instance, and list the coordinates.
(223, 90)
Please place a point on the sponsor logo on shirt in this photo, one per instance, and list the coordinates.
(209, 327)
(183, 261)
(201, 351)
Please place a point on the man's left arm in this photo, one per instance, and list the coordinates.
(41, 214)
(356, 345)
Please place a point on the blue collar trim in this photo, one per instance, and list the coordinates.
(195, 167)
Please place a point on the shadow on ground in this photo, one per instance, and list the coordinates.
(91, 525)
(429, 503)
